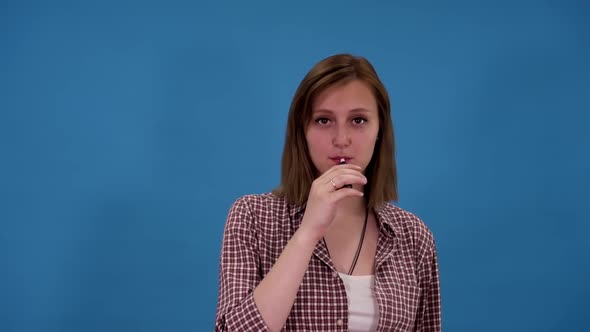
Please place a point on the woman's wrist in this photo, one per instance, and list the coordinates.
(307, 237)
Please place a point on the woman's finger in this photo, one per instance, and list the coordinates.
(341, 180)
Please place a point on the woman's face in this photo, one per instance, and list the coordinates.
(344, 124)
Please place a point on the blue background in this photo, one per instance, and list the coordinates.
(127, 129)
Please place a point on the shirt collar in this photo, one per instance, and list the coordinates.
(296, 213)
(388, 219)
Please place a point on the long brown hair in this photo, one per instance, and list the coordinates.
(298, 171)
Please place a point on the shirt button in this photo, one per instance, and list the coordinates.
(339, 322)
(335, 274)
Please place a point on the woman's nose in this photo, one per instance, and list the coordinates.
(341, 137)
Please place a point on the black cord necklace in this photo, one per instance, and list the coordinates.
(358, 249)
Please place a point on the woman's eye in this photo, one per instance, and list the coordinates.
(322, 121)
(359, 121)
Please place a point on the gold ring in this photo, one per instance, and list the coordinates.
(333, 184)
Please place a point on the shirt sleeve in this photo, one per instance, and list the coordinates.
(429, 310)
(238, 273)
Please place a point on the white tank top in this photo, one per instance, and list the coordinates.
(363, 311)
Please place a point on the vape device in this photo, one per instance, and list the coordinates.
(343, 161)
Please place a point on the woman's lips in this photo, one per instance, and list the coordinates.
(340, 159)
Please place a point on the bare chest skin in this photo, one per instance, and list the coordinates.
(343, 240)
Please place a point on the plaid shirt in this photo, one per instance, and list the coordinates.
(258, 228)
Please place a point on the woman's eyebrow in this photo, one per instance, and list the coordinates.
(354, 110)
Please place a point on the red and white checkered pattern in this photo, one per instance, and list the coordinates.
(406, 272)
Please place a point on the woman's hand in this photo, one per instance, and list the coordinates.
(325, 192)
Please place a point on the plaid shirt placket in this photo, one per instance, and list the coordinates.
(321, 303)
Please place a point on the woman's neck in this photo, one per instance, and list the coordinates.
(351, 206)
(350, 215)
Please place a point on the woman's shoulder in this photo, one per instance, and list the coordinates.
(257, 201)
(259, 205)
(260, 212)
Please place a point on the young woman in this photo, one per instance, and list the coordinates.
(326, 250)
